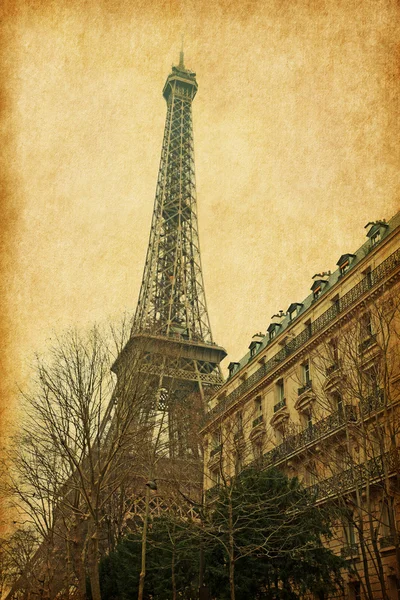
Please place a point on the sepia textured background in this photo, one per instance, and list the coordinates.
(296, 127)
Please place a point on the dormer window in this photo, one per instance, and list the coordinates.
(254, 347)
(318, 287)
(376, 232)
(293, 310)
(232, 367)
(273, 330)
(344, 262)
(375, 238)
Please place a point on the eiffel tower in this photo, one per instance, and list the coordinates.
(171, 323)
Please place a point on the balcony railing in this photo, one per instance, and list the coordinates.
(374, 402)
(370, 280)
(215, 450)
(279, 405)
(310, 434)
(305, 387)
(258, 421)
(357, 475)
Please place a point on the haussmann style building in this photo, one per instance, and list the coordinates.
(318, 396)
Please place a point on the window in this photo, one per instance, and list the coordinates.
(366, 326)
(355, 590)
(386, 518)
(376, 238)
(272, 330)
(336, 303)
(376, 232)
(317, 292)
(257, 449)
(280, 389)
(349, 531)
(294, 310)
(232, 367)
(238, 463)
(258, 412)
(309, 420)
(254, 347)
(311, 477)
(318, 287)
(239, 424)
(368, 276)
(305, 368)
(257, 407)
(338, 404)
(215, 476)
(334, 351)
(216, 439)
(344, 263)
(378, 440)
(341, 458)
(308, 327)
(344, 267)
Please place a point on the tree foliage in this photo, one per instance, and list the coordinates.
(269, 527)
(172, 564)
(277, 547)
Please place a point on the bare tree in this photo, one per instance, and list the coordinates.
(16, 552)
(79, 444)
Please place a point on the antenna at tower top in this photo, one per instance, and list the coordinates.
(181, 62)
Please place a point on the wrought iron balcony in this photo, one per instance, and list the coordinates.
(258, 421)
(370, 280)
(373, 403)
(216, 450)
(306, 386)
(310, 434)
(279, 405)
(357, 475)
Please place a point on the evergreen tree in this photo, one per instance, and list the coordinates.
(266, 531)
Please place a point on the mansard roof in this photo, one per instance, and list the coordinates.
(330, 282)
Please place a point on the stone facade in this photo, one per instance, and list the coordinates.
(318, 396)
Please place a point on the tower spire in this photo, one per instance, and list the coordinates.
(181, 57)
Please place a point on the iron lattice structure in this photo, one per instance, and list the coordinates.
(171, 323)
(172, 300)
(171, 318)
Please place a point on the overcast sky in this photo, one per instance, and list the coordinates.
(296, 126)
